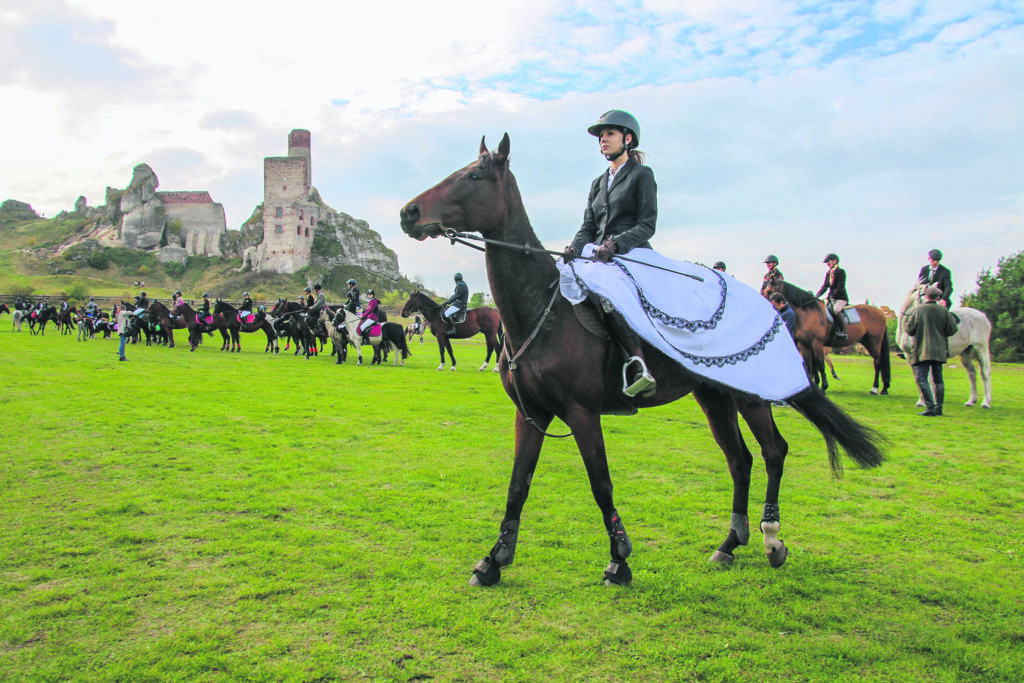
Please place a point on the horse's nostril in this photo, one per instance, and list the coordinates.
(410, 213)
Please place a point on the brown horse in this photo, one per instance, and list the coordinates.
(483, 319)
(197, 328)
(555, 370)
(814, 331)
(158, 313)
(230, 315)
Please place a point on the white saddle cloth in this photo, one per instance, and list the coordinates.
(716, 327)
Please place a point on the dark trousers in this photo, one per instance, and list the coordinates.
(921, 372)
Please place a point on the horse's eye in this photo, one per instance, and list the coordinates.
(473, 175)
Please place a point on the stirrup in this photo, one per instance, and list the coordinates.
(644, 385)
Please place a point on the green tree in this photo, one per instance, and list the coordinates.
(1001, 297)
(476, 300)
(77, 293)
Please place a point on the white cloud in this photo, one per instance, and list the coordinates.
(770, 126)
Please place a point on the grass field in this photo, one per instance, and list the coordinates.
(205, 516)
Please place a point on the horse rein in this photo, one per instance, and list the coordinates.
(461, 238)
(513, 365)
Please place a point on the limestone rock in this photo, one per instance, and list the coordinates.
(144, 218)
(81, 206)
(171, 254)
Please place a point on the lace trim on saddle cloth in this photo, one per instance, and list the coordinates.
(691, 325)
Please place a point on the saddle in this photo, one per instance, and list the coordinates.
(248, 319)
(850, 315)
(204, 321)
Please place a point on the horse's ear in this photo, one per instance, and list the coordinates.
(503, 148)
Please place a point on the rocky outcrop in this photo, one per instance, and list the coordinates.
(81, 206)
(171, 254)
(144, 217)
(14, 211)
(342, 240)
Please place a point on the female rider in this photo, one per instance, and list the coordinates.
(621, 213)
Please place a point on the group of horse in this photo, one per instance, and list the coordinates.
(288, 320)
(866, 325)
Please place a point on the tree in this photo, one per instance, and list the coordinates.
(1001, 298)
(476, 300)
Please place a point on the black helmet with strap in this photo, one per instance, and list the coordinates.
(831, 257)
(351, 281)
(458, 276)
(617, 118)
(771, 258)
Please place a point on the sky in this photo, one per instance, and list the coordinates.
(876, 130)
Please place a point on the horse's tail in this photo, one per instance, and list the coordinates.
(501, 333)
(884, 359)
(862, 444)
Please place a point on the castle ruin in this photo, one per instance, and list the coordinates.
(290, 213)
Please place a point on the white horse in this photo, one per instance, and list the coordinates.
(18, 317)
(970, 343)
(354, 338)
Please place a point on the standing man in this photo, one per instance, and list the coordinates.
(352, 296)
(835, 284)
(931, 326)
(774, 275)
(122, 328)
(937, 274)
(788, 315)
(453, 310)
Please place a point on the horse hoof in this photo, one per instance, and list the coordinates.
(777, 555)
(452, 368)
(721, 559)
(485, 573)
(885, 392)
(874, 391)
(985, 405)
(618, 573)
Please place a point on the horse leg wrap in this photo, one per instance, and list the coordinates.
(774, 548)
(485, 573)
(618, 573)
(621, 546)
(504, 551)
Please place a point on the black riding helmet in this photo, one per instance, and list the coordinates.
(370, 292)
(351, 281)
(307, 289)
(831, 257)
(617, 118)
(771, 258)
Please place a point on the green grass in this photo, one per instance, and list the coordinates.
(205, 516)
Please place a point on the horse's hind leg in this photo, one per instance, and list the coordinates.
(720, 412)
(529, 440)
(758, 417)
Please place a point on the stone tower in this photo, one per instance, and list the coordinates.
(289, 214)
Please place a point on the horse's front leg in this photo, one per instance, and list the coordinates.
(720, 411)
(586, 428)
(529, 440)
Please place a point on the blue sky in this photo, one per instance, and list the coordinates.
(876, 130)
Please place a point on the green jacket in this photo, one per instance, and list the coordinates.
(931, 326)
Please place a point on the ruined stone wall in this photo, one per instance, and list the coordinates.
(289, 218)
(201, 226)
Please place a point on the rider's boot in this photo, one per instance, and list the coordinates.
(940, 395)
(840, 325)
(636, 379)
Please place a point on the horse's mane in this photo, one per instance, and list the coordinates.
(797, 296)
(425, 298)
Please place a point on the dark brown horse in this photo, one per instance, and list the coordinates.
(483, 319)
(814, 332)
(160, 314)
(196, 328)
(555, 365)
(235, 326)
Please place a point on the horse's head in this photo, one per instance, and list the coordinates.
(411, 306)
(472, 198)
